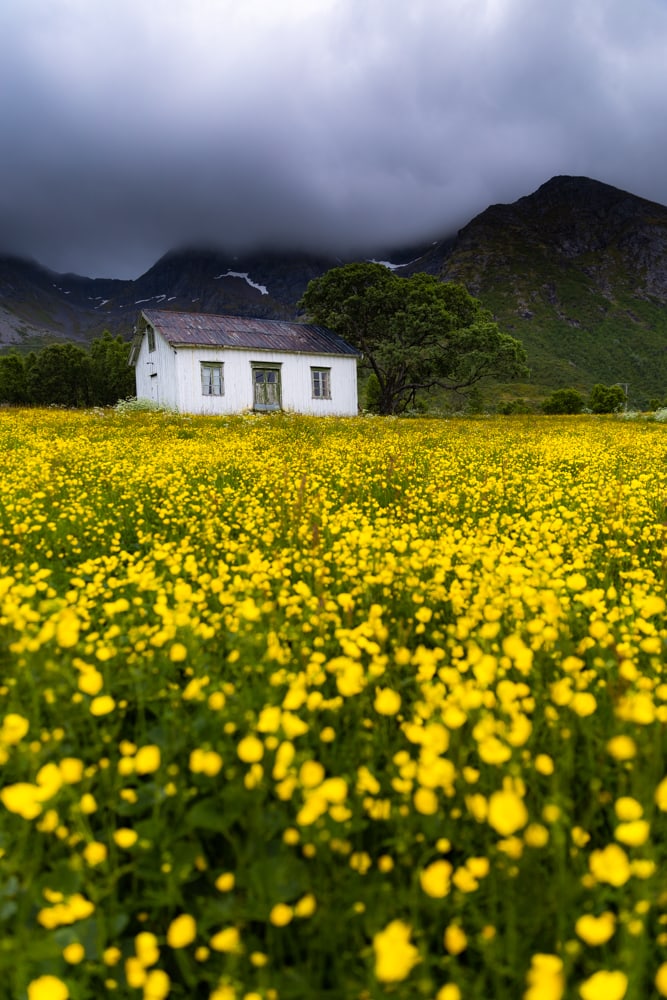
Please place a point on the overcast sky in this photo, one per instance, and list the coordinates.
(130, 127)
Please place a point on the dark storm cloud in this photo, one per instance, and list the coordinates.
(133, 127)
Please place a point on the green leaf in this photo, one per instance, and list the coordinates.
(213, 814)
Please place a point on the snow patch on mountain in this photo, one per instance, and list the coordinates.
(243, 274)
(158, 298)
(392, 267)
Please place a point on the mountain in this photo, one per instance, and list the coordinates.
(38, 306)
(577, 271)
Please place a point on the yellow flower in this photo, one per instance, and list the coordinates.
(91, 681)
(627, 808)
(95, 853)
(536, 835)
(227, 939)
(455, 940)
(604, 985)
(74, 953)
(633, 834)
(156, 985)
(178, 653)
(395, 955)
(181, 931)
(464, 880)
(610, 865)
(449, 991)
(125, 838)
(545, 978)
(223, 993)
(661, 795)
(596, 930)
(14, 728)
(22, 798)
(135, 973)
(661, 980)
(622, 747)
(507, 813)
(102, 705)
(306, 906)
(653, 605)
(435, 879)
(311, 774)
(146, 947)
(47, 988)
(50, 781)
(67, 629)
(544, 764)
(584, 704)
(71, 770)
(88, 804)
(207, 762)
(281, 915)
(477, 866)
(147, 760)
(225, 882)
(250, 750)
(494, 751)
(334, 790)
(426, 801)
(387, 701)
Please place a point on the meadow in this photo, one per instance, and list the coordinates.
(347, 709)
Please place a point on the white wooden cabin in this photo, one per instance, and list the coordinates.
(202, 363)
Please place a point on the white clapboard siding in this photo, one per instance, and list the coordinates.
(156, 373)
(295, 379)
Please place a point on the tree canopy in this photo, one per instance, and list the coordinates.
(415, 333)
(68, 375)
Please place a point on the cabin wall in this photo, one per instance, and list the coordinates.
(295, 377)
(155, 373)
(172, 377)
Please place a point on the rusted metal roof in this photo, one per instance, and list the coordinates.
(208, 330)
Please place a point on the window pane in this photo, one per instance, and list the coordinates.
(211, 379)
(321, 383)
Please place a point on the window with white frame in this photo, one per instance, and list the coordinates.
(320, 379)
(151, 339)
(212, 382)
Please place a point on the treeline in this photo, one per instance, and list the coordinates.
(69, 375)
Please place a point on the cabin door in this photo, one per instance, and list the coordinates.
(266, 388)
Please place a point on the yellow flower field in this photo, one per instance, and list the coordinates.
(346, 709)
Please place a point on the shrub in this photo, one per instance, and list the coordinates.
(514, 406)
(563, 401)
(606, 398)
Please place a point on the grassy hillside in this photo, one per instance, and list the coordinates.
(577, 273)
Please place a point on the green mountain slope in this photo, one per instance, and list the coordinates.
(577, 272)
